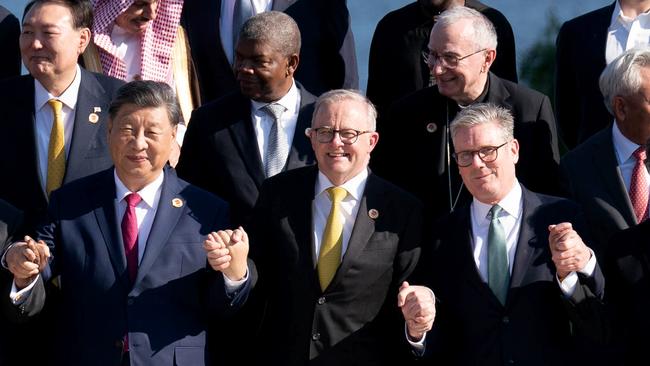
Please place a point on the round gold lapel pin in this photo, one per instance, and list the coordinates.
(93, 118)
(177, 202)
(373, 214)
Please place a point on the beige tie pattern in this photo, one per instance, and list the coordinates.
(329, 256)
(56, 149)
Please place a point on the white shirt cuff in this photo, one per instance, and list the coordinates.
(234, 286)
(19, 296)
(417, 346)
(568, 285)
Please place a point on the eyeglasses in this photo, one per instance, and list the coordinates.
(348, 136)
(448, 61)
(487, 154)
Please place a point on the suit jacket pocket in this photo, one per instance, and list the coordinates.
(189, 356)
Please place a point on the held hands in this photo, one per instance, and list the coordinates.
(227, 251)
(26, 259)
(568, 252)
(418, 307)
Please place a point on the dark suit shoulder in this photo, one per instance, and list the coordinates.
(196, 193)
(521, 93)
(110, 83)
(390, 191)
(400, 20)
(585, 150)
(577, 25)
(221, 113)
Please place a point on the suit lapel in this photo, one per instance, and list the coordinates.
(463, 246)
(527, 243)
(301, 153)
(106, 215)
(497, 93)
(282, 5)
(27, 128)
(243, 135)
(605, 157)
(167, 216)
(363, 227)
(84, 133)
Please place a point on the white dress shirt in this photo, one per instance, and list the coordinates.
(625, 33)
(322, 205)
(510, 219)
(263, 122)
(225, 22)
(44, 118)
(624, 149)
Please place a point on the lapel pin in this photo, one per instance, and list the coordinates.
(431, 127)
(97, 109)
(373, 214)
(93, 118)
(177, 202)
(307, 131)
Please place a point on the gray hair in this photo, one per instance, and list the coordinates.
(339, 95)
(485, 36)
(147, 94)
(622, 77)
(277, 29)
(482, 113)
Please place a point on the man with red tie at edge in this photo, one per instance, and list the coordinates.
(127, 249)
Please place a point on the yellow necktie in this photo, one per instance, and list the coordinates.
(56, 149)
(330, 249)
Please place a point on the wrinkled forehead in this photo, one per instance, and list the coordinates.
(459, 35)
(345, 113)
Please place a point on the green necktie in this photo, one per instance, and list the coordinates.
(498, 273)
(329, 256)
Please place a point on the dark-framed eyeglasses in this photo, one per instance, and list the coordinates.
(348, 136)
(448, 61)
(487, 154)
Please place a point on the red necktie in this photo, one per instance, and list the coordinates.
(639, 186)
(130, 234)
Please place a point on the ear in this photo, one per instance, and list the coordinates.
(490, 56)
(292, 64)
(514, 150)
(84, 39)
(619, 108)
(373, 140)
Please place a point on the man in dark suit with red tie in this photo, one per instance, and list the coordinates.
(127, 250)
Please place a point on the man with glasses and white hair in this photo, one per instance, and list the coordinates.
(462, 48)
(515, 282)
(332, 244)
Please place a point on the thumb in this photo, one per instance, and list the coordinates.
(401, 296)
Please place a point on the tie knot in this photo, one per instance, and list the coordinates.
(56, 105)
(337, 194)
(133, 199)
(274, 110)
(495, 211)
(640, 153)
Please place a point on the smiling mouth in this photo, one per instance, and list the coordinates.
(337, 155)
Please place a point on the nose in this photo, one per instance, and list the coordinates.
(243, 65)
(149, 10)
(139, 142)
(336, 139)
(436, 68)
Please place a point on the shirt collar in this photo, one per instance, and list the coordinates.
(622, 145)
(354, 186)
(288, 101)
(148, 193)
(511, 204)
(68, 98)
(619, 18)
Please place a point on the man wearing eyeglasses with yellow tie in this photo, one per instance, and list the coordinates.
(332, 244)
(462, 49)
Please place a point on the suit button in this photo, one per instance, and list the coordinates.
(119, 344)
(129, 302)
(505, 320)
(315, 336)
(321, 300)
